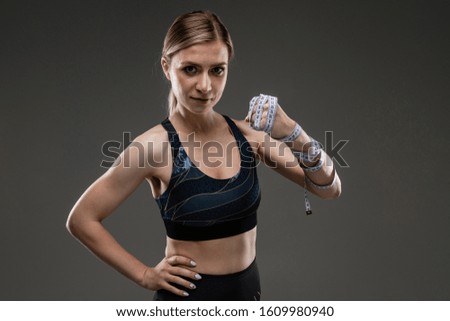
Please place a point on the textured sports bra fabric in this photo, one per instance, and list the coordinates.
(196, 206)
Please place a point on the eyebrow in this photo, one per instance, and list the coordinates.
(191, 63)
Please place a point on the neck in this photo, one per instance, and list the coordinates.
(196, 122)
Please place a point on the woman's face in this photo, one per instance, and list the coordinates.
(198, 75)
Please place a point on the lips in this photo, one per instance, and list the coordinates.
(201, 99)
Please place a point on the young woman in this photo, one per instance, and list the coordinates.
(208, 200)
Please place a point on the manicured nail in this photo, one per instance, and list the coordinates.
(185, 294)
(192, 286)
(198, 276)
(193, 263)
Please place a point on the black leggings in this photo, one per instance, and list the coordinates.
(239, 286)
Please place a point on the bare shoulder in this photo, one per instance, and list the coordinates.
(156, 136)
(148, 150)
(155, 141)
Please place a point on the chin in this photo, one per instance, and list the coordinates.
(199, 108)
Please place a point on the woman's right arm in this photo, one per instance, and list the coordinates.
(103, 197)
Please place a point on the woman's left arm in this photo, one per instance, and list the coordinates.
(290, 151)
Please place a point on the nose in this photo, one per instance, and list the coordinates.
(203, 83)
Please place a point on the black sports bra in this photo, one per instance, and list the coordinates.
(196, 206)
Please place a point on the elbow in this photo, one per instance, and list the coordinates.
(73, 224)
(327, 191)
(336, 192)
(70, 225)
(81, 224)
(332, 193)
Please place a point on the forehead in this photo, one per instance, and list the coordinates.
(207, 53)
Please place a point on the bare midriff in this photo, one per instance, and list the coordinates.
(220, 256)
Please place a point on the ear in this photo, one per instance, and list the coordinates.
(165, 67)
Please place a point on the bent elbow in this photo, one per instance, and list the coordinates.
(336, 193)
(331, 194)
(336, 189)
(72, 225)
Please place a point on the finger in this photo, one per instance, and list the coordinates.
(177, 280)
(252, 120)
(263, 120)
(181, 260)
(185, 273)
(259, 110)
(271, 114)
(251, 107)
(175, 290)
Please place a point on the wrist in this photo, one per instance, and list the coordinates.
(290, 132)
(289, 127)
(142, 281)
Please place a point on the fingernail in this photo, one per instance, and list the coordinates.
(193, 263)
(192, 286)
(198, 276)
(185, 294)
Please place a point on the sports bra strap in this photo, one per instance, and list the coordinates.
(236, 132)
(173, 136)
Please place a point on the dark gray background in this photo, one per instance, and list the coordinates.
(75, 74)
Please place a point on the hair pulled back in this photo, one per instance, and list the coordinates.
(190, 29)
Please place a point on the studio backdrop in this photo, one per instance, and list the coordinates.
(368, 79)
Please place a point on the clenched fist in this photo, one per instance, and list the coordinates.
(266, 114)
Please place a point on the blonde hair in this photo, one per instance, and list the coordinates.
(190, 29)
